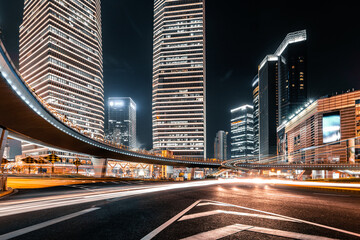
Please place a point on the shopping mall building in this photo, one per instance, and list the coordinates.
(323, 131)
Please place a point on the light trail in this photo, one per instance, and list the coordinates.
(23, 206)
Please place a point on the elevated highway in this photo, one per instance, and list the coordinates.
(289, 166)
(24, 115)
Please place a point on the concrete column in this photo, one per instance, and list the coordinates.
(100, 166)
(3, 139)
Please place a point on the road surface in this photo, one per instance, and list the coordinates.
(190, 210)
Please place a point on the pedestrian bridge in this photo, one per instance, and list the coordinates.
(25, 116)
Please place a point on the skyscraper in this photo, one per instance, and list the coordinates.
(268, 105)
(282, 88)
(121, 126)
(242, 131)
(220, 145)
(179, 112)
(255, 87)
(292, 74)
(61, 59)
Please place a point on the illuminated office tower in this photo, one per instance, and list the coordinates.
(242, 131)
(220, 145)
(268, 105)
(121, 123)
(292, 74)
(61, 59)
(255, 87)
(179, 117)
(282, 89)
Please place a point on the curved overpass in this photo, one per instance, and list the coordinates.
(242, 164)
(23, 115)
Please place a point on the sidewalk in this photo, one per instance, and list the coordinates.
(5, 193)
(32, 182)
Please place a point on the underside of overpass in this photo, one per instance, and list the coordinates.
(24, 116)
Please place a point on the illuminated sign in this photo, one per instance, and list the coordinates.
(331, 127)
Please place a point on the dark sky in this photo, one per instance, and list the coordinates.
(239, 35)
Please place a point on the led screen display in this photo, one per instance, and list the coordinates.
(331, 127)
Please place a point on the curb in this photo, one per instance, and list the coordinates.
(5, 193)
(349, 190)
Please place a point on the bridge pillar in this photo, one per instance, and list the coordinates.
(100, 166)
(3, 139)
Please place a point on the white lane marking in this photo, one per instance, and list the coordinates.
(209, 213)
(218, 233)
(232, 229)
(329, 194)
(197, 215)
(294, 219)
(169, 222)
(280, 233)
(44, 224)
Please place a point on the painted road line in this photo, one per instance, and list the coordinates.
(209, 213)
(218, 233)
(232, 229)
(44, 224)
(278, 215)
(169, 222)
(280, 233)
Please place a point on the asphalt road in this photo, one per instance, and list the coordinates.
(195, 210)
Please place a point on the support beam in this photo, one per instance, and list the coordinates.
(3, 139)
(100, 166)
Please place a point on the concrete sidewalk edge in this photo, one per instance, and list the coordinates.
(5, 193)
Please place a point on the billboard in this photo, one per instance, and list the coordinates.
(331, 127)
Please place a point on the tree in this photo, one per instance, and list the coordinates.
(77, 163)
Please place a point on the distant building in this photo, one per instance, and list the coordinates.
(242, 131)
(121, 125)
(179, 66)
(282, 88)
(220, 145)
(12, 149)
(255, 87)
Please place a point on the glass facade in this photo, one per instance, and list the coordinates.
(121, 125)
(282, 88)
(292, 74)
(178, 110)
(220, 145)
(242, 131)
(61, 59)
(268, 106)
(255, 87)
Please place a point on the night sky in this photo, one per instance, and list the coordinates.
(238, 38)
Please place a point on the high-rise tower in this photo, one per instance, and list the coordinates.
(293, 78)
(220, 145)
(61, 59)
(242, 132)
(179, 113)
(255, 87)
(282, 88)
(121, 125)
